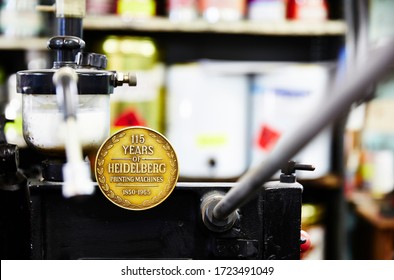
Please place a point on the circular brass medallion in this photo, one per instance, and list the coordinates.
(136, 168)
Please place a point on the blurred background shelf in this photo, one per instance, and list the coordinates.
(373, 235)
(161, 24)
(330, 182)
(28, 43)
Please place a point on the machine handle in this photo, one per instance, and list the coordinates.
(342, 97)
(288, 171)
(91, 60)
(65, 80)
(76, 173)
(66, 48)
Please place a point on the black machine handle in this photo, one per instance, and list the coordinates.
(66, 48)
(91, 60)
(288, 171)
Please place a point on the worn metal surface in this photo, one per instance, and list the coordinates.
(93, 228)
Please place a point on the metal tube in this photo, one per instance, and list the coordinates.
(70, 8)
(76, 173)
(65, 80)
(68, 26)
(343, 96)
(69, 14)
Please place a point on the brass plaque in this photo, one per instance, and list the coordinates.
(136, 168)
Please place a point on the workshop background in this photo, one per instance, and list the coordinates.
(225, 80)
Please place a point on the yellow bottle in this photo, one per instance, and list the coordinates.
(136, 8)
(142, 105)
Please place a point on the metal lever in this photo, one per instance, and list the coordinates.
(292, 166)
(288, 171)
(76, 172)
(342, 97)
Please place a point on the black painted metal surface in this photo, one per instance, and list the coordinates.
(14, 207)
(94, 228)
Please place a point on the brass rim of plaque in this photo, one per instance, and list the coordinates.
(136, 168)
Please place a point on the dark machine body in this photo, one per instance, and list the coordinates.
(38, 222)
(95, 228)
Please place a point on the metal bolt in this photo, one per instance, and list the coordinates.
(129, 78)
(209, 201)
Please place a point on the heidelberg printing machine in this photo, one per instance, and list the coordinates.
(253, 218)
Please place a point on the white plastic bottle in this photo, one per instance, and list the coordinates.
(281, 99)
(182, 10)
(207, 120)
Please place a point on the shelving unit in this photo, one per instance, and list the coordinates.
(184, 42)
(22, 44)
(377, 240)
(160, 24)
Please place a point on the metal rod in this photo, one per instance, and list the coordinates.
(65, 80)
(68, 26)
(76, 172)
(343, 96)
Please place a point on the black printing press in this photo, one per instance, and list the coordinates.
(41, 220)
